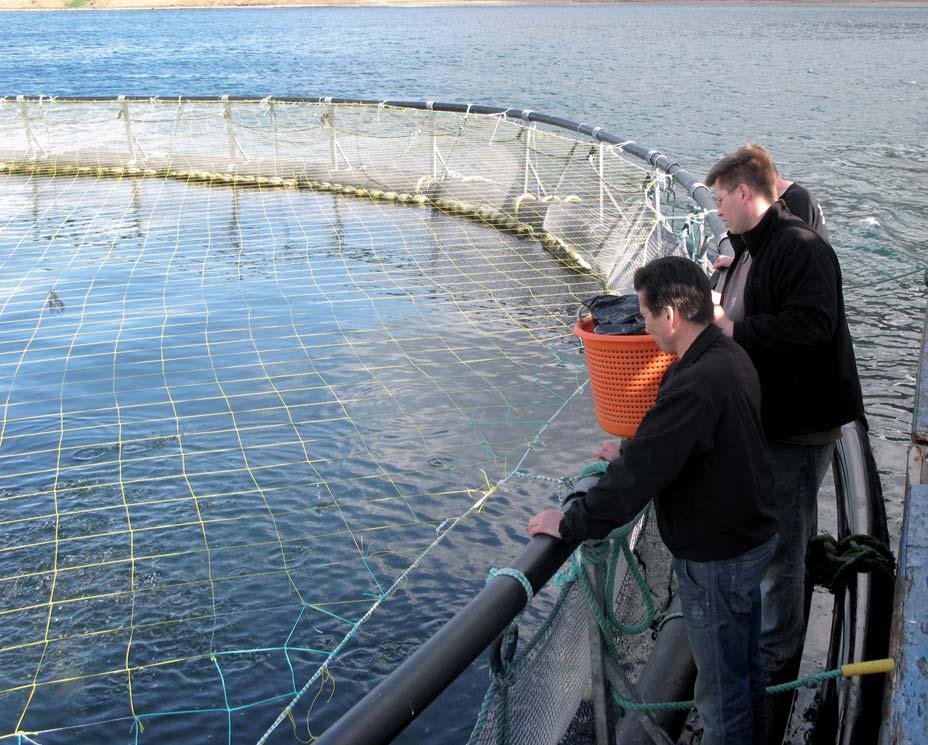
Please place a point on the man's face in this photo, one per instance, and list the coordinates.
(657, 324)
(732, 202)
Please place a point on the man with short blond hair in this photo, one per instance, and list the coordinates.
(751, 165)
(784, 304)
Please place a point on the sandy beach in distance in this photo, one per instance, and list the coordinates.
(159, 4)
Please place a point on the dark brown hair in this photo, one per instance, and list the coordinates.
(749, 164)
(679, 283)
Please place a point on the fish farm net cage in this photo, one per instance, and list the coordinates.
(260, 360)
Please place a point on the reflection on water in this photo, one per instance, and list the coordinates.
(189, 280)
(231, 419)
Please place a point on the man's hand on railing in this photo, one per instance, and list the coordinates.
(547, 522)
(609, 450)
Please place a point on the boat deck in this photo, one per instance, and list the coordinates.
(905, 716)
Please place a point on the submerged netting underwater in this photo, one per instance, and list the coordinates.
(258, 359)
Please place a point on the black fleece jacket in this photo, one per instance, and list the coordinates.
(801, 203)
(795, 329)
(700, 453)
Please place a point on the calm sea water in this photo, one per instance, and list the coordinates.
(840, 95)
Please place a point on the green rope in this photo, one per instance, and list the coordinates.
(606, 552)
(225, 698)
(833, 563)
(646, 595)
(504, 674)
(666, 619)
(809, 681)
(599, 466)
(897, 277)
(521, 579)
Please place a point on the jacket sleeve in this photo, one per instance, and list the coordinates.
(800, 204)
(680, 425)
(805, 291)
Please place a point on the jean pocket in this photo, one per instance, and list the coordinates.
(740, 600)
(745, 578)
(693, 598)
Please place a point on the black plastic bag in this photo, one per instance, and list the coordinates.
(617, 315)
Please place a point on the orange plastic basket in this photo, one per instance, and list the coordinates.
(625, 372)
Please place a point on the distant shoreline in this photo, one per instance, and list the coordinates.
(69, 5)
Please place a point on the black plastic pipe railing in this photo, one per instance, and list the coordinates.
(697, 190)
(399, 698)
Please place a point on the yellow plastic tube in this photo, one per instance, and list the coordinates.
(867, 668)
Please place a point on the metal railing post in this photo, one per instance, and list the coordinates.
(273, 109)
(333, 144)
(230, 134)
(602, 185)
(135, 152)
(432, 138)
(528, 155)
(656, 181)
(34, 146)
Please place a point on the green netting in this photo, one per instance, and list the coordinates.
(257, 361)
(550, 677)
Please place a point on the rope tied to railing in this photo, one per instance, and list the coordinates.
(831, 563)
(607, 552)
(809, 681)
(857, 553)
(504, 672)
(520, 578)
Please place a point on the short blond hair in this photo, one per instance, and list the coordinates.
(749, 164)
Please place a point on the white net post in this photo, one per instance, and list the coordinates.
(434, 143)
(35, 149)
(656, 181)
(272, 112)
(234, 147)
(333, 142)
(528, 158)
(602, 186)
(135, 150)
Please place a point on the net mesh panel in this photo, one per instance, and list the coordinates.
(245, 391)
(588, 203)
(554, 672)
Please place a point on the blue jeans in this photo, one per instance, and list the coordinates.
(798, 471)
(721, 608)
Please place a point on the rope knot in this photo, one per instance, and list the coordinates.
(595, 552)
(831, 563)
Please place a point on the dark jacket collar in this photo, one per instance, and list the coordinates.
(700, 344)
(755, 238)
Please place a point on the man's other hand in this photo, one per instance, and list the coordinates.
(722, 262)
(723, 321)
(609, 450)
(547, 522)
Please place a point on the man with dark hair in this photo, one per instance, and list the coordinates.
(699, 452)
(787, 312)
